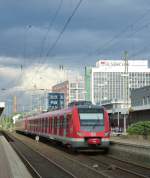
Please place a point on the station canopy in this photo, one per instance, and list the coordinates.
(2, 106)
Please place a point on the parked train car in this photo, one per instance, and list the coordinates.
(78, 126)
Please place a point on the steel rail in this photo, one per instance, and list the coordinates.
(121, 168)
(43, 156)
(102, 174)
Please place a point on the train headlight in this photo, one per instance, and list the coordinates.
(106, 134)
(80, 134)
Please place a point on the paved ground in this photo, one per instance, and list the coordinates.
(4, 164)
(10, 164)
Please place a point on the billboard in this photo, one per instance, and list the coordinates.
(55, 101)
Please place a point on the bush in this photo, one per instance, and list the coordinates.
(139, 128)
(7, 122)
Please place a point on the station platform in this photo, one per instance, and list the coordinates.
(132, 140)
(11, 165)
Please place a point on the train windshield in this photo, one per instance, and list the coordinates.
(91, 119)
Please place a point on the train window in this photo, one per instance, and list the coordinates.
(69, 117)
(49, 122)
(52, 121)
(58, 121)
(46, 123)
(42, 124)
(61, 121)
(64, 121)
(55, 122)
(91, 120)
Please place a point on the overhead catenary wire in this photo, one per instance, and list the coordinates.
(49, 52)
(50, 27)
(59, 36)
(22, 66)
(108, 43)
(139, 19)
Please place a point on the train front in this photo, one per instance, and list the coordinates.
(92, 127)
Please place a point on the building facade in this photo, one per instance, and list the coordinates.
(74, 90)
(46, 101)
(62, 87)
(87, 78)
(140, 104)
(109, 81)
(140, 97)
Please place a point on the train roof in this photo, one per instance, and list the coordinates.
(46, 114)
(69, 109)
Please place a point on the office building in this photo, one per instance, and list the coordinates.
(109, 81)
(74, 90)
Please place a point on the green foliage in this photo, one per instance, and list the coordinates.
(139, 128)
(7, 122)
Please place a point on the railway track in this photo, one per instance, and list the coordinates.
(82, 165)
(38, 165)
(31, 157)
(122, 167)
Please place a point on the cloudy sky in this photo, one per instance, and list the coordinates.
(99, 29)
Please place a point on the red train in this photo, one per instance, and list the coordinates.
(78, 126)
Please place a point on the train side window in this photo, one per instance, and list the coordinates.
(46, 123)
(42, 124)
(58, 121)
(55, 122)
(61, 121)
(45, 119)
(50, 121)
(64, 121)
(69, 120)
